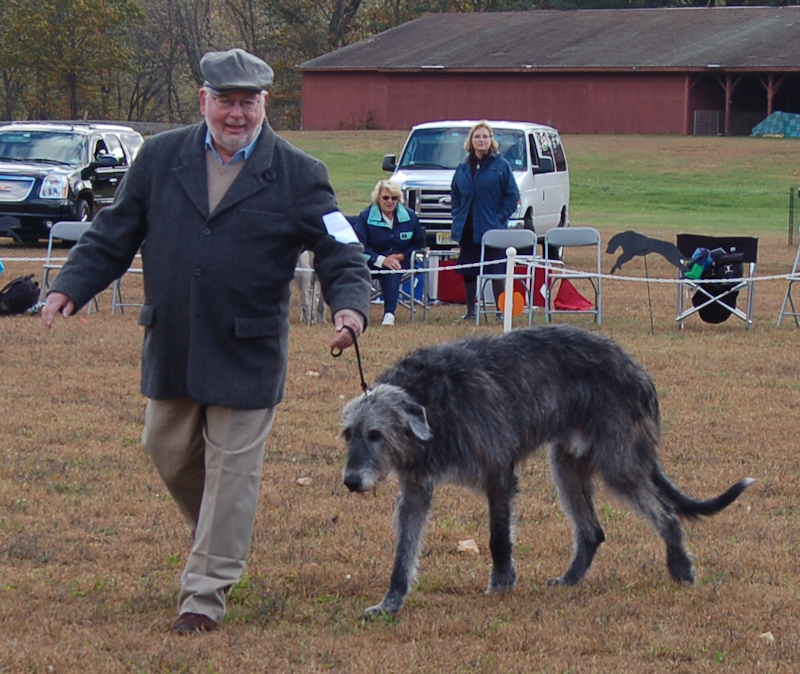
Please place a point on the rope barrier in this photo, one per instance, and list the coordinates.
(562, 271)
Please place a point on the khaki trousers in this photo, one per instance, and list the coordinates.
(210, 459)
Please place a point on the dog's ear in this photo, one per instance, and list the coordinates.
(418, 420)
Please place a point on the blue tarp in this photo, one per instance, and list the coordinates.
(786, 124)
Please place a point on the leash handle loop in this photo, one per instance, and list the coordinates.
(338, 352)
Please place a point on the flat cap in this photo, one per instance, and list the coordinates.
(235, 69)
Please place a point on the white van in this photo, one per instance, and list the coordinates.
(434, 149)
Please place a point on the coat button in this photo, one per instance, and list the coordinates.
(206, 231)
(197, 272)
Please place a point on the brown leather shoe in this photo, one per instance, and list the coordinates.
(189, 623)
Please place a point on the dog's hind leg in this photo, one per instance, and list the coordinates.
(500, 494)
(644, 497)
(573, 478)
(410, 518)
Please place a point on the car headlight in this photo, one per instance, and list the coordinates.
(54, 187)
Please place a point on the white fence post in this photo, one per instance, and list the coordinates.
(511, 254)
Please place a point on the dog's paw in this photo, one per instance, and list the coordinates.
(502, 581)
(563, 580)
(383, 610)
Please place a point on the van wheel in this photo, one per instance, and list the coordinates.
(555, 252)
(527, 221)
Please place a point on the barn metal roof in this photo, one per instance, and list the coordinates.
(730, 38)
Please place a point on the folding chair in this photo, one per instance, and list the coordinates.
(411, 276)
(65, 230)
(117, 302)
(522, 240)
(714, 299)
(794, 277)
(408, 285)
(572, 237)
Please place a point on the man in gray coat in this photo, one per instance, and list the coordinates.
(221, 211)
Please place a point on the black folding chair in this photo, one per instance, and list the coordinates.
(715, 294)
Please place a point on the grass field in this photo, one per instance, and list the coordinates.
(647, 183)
(91, 547)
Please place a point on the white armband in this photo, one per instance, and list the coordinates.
(339, 228)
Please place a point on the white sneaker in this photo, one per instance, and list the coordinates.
(388, 319)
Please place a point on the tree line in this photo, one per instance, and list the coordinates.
(138, 60)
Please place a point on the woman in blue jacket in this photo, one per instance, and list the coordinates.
(483, 196)
(390, 234)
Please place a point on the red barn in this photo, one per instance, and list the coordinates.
(665, 71)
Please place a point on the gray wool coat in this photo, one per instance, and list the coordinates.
(217, 285)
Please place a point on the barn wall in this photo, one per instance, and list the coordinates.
(573, 103)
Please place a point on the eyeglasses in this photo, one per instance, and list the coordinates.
(227, 103)
(385, 198)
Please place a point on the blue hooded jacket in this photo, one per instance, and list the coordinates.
(378, 238)
(493, 195)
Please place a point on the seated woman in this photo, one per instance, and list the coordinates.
(390, 234)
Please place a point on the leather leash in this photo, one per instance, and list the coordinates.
(338, 352)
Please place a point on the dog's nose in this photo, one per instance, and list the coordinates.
(352, 482)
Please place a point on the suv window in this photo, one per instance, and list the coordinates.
(131, 142)
(114, 148)
(54, 147)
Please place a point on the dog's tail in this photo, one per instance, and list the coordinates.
(692, 508)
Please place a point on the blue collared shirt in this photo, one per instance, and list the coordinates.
(240, 155)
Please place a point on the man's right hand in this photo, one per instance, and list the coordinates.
(56, 303)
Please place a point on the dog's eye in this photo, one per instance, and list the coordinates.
(374, 436)
(347, 434)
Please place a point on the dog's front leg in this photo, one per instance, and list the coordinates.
(500, 494)
(410, 518)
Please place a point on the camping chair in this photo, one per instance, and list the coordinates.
(715, 293)
(572, 237)
(522, 240)
(66, 231)
(794, 277)
(117, 302)
(412, 277)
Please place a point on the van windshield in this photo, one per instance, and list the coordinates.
(444, 148)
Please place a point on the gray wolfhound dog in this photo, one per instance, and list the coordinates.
(469, 411)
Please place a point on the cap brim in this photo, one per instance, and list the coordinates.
(225, 90)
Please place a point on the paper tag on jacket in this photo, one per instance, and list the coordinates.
(339, 228)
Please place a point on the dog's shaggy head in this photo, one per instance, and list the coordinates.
(382, 431)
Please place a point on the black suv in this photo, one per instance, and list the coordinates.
(51, 171)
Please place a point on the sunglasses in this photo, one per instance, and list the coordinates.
(385, 198)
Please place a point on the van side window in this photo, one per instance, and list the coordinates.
(558, 152)
(534, 152)
(544, 145)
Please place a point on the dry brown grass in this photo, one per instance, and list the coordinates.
(91, 547)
